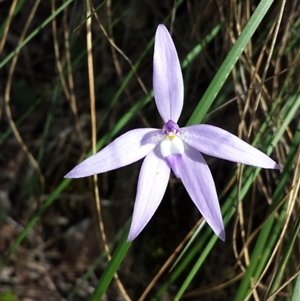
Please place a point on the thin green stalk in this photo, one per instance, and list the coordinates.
(230, 60)
(111, 269)
(256, 262)
(17, 9)
(8, 132)
(35, 32)
(121, 234)
(249, 176)
(296, 292)
(285, 258)
(66, 182)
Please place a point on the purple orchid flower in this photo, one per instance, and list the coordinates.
(173, 148)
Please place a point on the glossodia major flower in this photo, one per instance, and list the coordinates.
(173, 148)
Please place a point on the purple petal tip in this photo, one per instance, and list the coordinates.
(68, 176)
(222, 235)
(130, 238)
(72, 174)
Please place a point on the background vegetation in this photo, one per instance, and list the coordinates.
(77, 73)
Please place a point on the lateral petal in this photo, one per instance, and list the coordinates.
(199, 183)
(216, 142)
(126, 149)
(152, 184)
(167, 76)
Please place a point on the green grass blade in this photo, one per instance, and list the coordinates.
(111, 269)
(196, 267)
(101, 258)
(287, 255)
(296, 292)
(232, 57)
(35, 32)
(17, 9)
(66, 182)
(257, 263)
(8, 132)
(229, 208)
(199, 47)
(34, 220)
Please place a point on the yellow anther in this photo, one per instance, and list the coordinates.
(171, 136)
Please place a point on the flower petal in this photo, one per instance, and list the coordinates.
(174, 162)
(126, 149)
(167, 76)
(199, 183)
(219, 143)
(152, 184)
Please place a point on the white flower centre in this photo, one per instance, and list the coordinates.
(171, 145)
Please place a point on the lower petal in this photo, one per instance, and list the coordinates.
(174, 161)
(199, 183)
(152, 184)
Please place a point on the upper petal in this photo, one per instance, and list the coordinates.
(167, 76)
(219, 143)
(199, 183)
(152, 184)
(124, 150)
